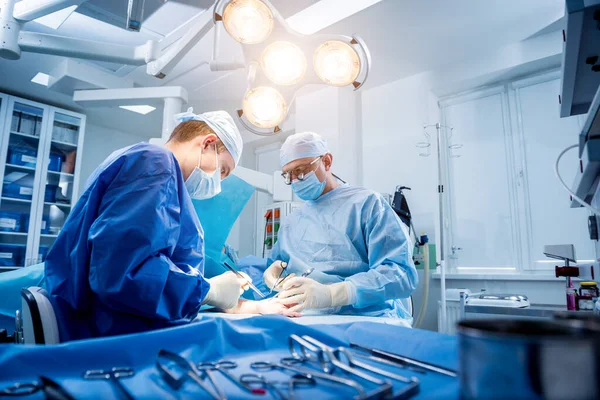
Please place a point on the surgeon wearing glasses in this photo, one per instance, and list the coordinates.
(357, 245)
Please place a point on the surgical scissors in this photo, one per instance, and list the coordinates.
(223, 367)
(190, 371)
(289, 366)
(277, 281)
(260, 382)
(113, 376)
(51, 389)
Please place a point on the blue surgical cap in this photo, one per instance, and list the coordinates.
(224, 127)
(302, 145)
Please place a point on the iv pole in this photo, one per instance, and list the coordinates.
(440, 188)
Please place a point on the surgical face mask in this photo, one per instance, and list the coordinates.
(310, 188)
(201, 185)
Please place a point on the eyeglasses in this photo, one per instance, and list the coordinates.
(301, 172)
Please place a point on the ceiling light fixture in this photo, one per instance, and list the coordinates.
(276, 58)
(139, 109)
(41, 79)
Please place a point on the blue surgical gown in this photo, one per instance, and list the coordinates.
(352, 234)
(130, 256)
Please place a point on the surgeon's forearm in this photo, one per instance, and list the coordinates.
(382, 283)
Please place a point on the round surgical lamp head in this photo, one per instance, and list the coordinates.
(336, 63)
(264, 107)
(248, 21)
(283, 63)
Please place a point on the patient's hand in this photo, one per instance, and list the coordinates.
(267, 306)
(272, 306)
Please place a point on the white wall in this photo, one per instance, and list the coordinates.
(98, 143)
(334, 114)
(393, 117)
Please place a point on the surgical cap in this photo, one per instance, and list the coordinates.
(224, 127)
(302, 145)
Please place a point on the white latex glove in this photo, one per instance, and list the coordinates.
(272, 273)
(306, 293)
(225, 290)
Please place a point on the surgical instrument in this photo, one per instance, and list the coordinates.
(299, 380)
(390, 363)
(223, 367)
(268, 366)
(407, 360)
(258, 381)
(385, 387)
(51, 389)
(113, 376)
(307, 272)
(277, 281)
(329, 358)
(189, 369)
(248, 281)
(304, 275)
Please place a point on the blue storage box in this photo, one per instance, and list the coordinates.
(50, 194)
(10, 221)
(45, 224)
(42, 252)
(12, 255)
(55, 162)
(24, 156)
(16, 191)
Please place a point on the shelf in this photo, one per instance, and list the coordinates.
(13, 233)
(64, 144)
(13, 166)
(14, 200)
(26, 135)
(64, 205)
(11, 268)
(49, 235)
(61, 174)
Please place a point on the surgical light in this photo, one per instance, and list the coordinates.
(283, 63)
(248, 21)
(336, 63)
(264, 107)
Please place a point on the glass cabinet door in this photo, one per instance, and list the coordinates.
(18, 188)
(59, 185)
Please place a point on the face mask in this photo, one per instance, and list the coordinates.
(201, 185)
(310, 188)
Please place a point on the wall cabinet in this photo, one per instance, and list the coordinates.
(40, 160)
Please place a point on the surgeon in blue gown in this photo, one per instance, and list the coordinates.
(357, 245)
(130, 256)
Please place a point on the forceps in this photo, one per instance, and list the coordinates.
(113, 376)
(329, 361)
(289, 365)
(249, 282)
(190, 371)
(51, 389)
(304, 275)
(260, 382)
(223, 367)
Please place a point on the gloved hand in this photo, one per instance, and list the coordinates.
(272, 274)
(307, 293)
(225, 290)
